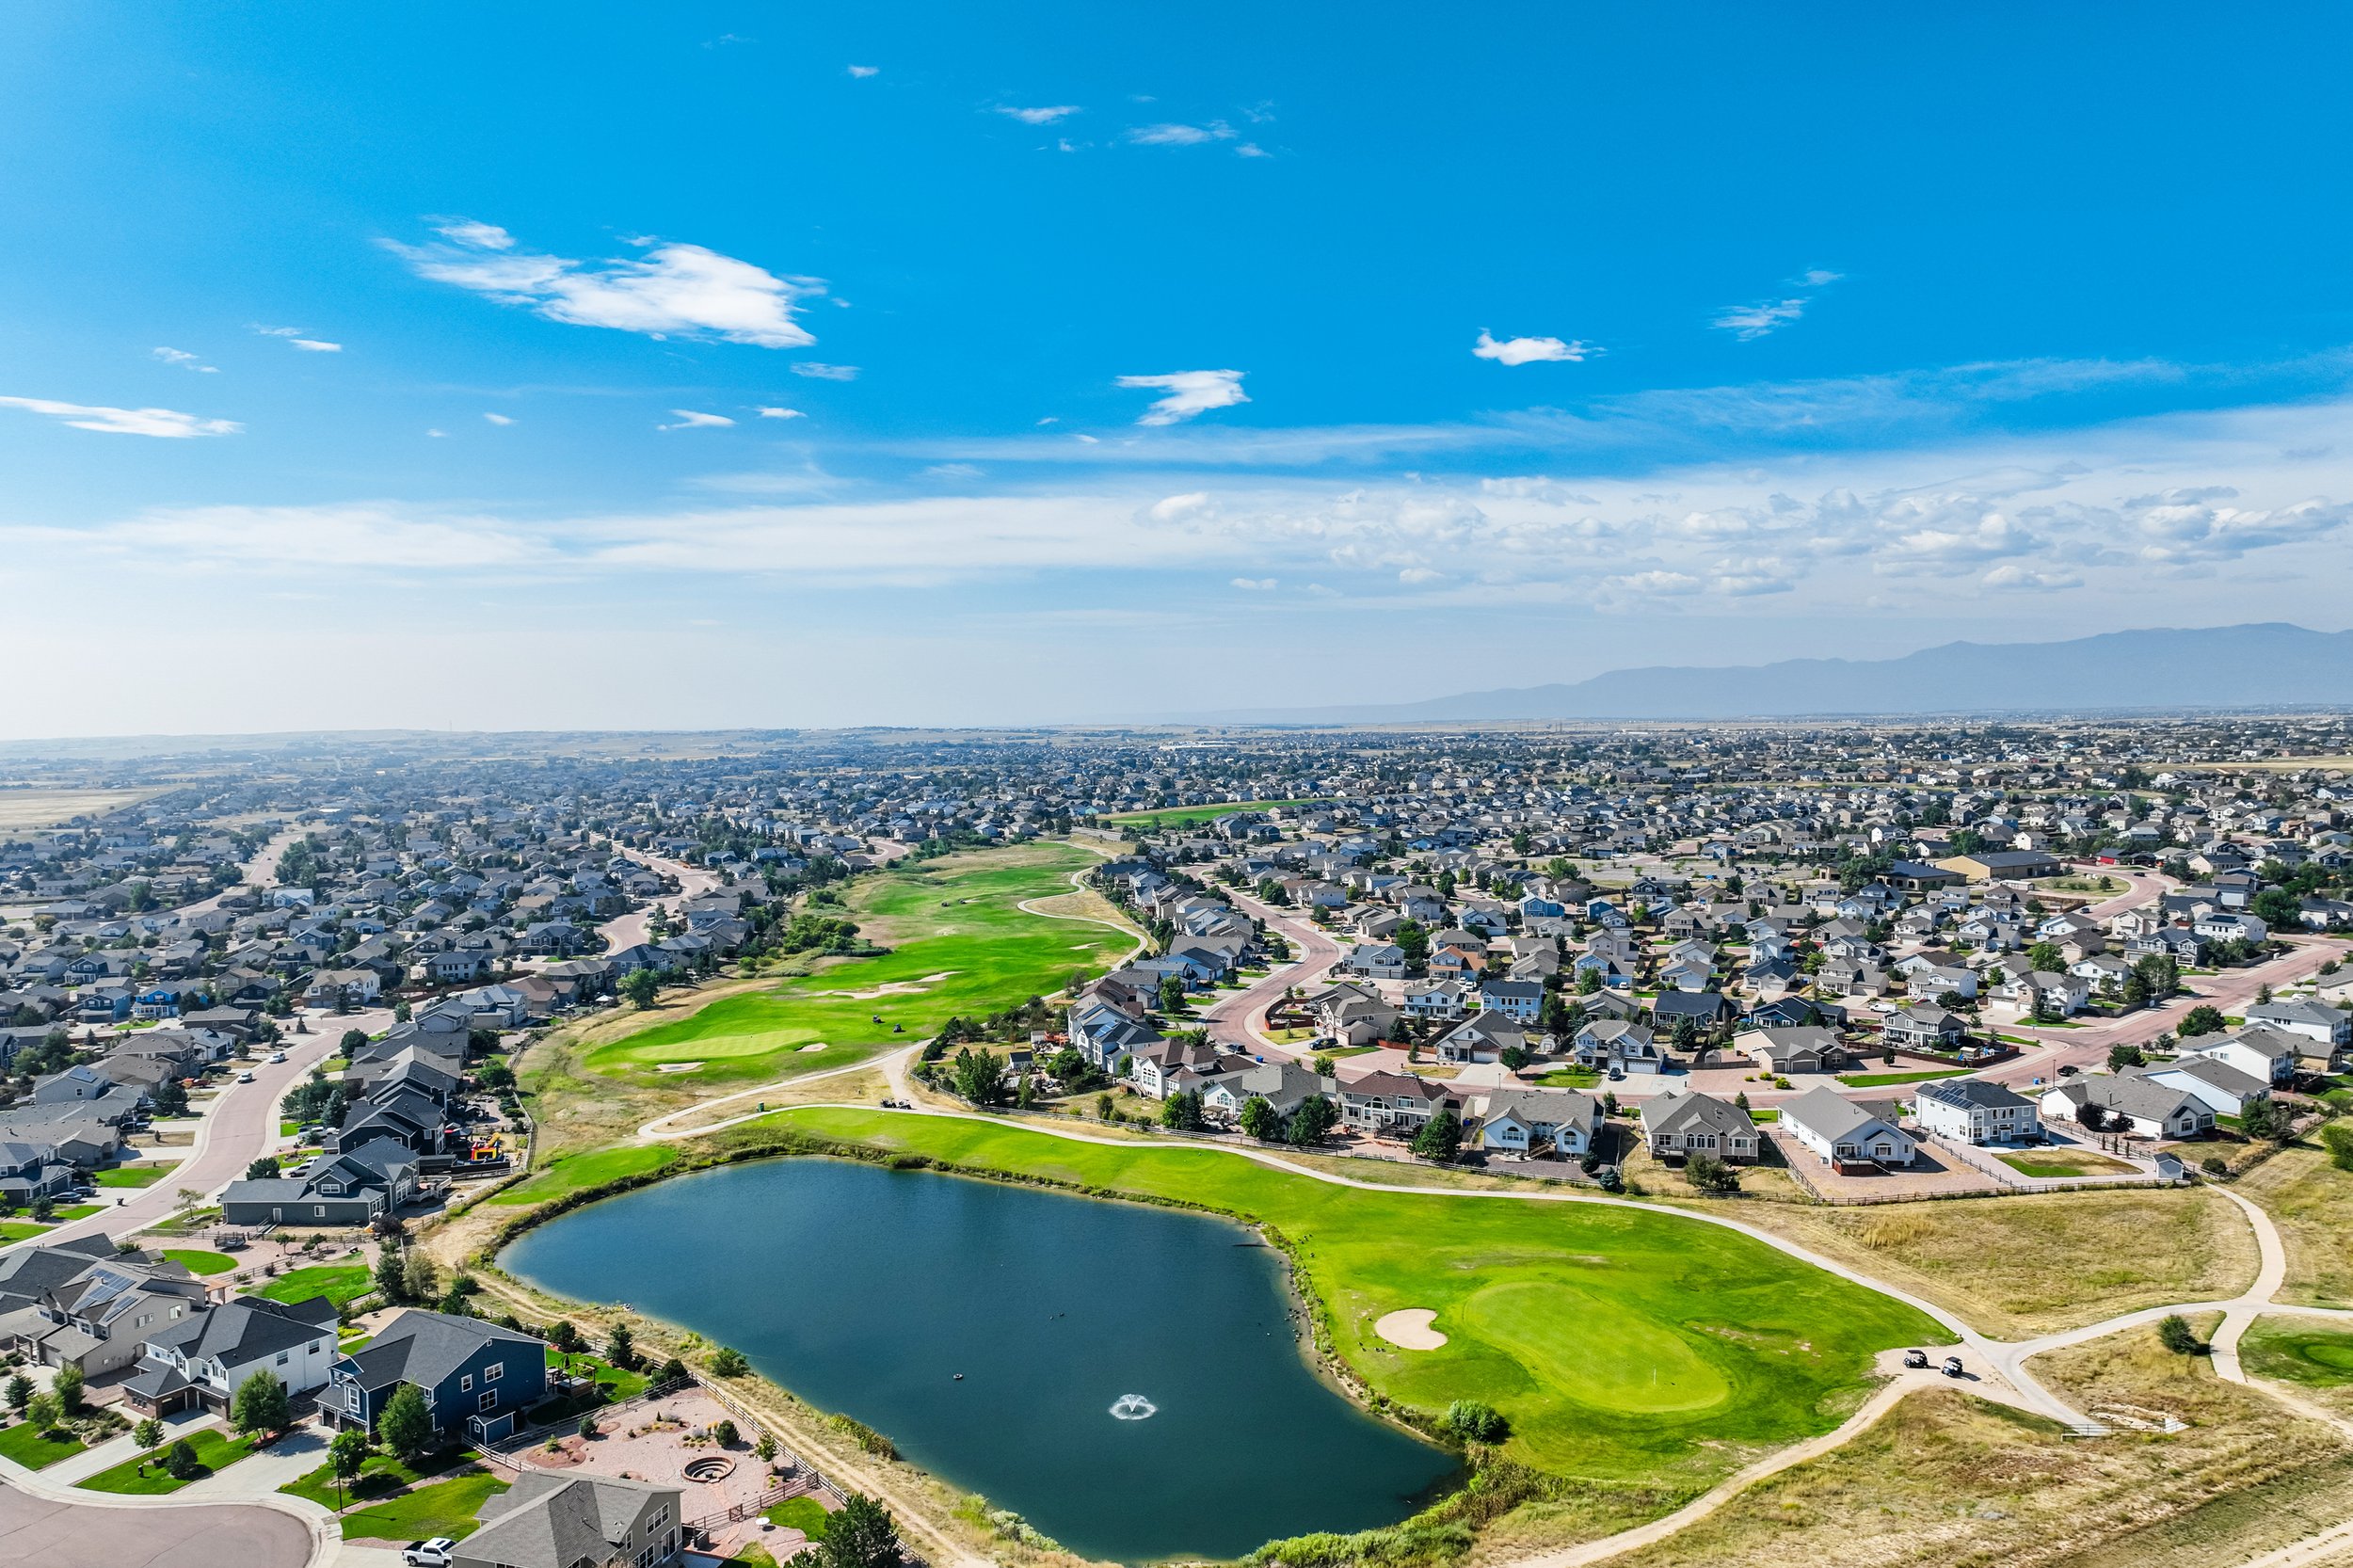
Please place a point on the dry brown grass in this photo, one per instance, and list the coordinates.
(2311, 1203)
(1949, 1482)
(2018, 1267)
(22, 809)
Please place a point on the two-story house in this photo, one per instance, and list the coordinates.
(476, 1377)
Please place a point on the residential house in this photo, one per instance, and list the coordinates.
(2258, 1050)
(1972, 1111)
(1840, 1132)
(1677, 1125)
(1922, 1027)
(550, 1520)
(1514, 1120)
(476, 1377)
(2221, 1088)
(1803, 1049)
(1394, 1104)
(204, 1356)
(342, 1191)
(2147, 1109)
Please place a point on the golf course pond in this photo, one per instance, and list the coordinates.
(1126, 1378)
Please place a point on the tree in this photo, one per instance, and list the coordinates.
(723, 1433)
(1181, 1111)
(1440, 1137)
(977, 1077)
(727, 1362)
(353, 1039)
(2204, 1018)
(565, 1336)
(639, 987)
(860, 1534)
(67, 1385)
(391, 1279)
(347, 1456)
(260, 1404)
(147, 1433)
(2092, 1116)
(2339, 1142)
(263, 1169)
(420, 1281)
(1261, 1120)
(1315, 1117)
(2266, 1118)
(171, 1098)
(1711, 1175)
(43, 1411)
(407, 1424)
(20, 1391)
(180, 1463)
(2046, 958)
(2125, 1056)
(1475, 1422)
(620, 1347)
(765, 1449)
(2175, 1335)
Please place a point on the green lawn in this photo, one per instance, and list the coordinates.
(32, 1450)
(803, 1513)
(1877, 1080)
(1188, 816)
(956, 940)
(337, 1282)
(17, 1230)
(445, 1507)
(134, 1176)
(79, 1211)
(200, 1261)
(379, 1474)
(570, 1174)
(1622, 1344)
(1569, 1077)
(2298, 1349)
(214, 1449)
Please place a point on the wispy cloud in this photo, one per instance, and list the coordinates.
(1524, 351)
(690, 419)
(499, 418)
(295, 339)
(677, 290)
(1169, 134)
(1044, 116)
(862, 72)
(1189, 393)
(1750, 322)
(771, 411)
(819, 371)
(1256, 584)
(187, 360)
(167, 422)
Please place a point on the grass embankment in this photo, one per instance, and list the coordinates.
(339, 1283)
(1625, 1347)
(959, 943)
(2311, 1203)
(574, 1172)
(2032, 1264)
(145, 1477)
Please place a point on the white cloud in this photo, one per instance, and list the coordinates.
(437, 433)
(817, 372)
(1256, 584)
(862, 72)
(2016, 578)
(1653, 583)
(1415, 576)
(1046, 116)
(498, 418)
(316, 346)
(1171, 135)
(187, 360)
(677, 290)
(688, 419)
(1523, 351)
(1189, 393)
(953, 471)
(1818, 278)
(771, 413)
(1252, 149)
(167, 423)
(1749, 321)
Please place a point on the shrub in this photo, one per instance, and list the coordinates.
(723, 1433)
(729, 1363)
(1711, 1175)
(1474, 1422)
(2175, 1335)
(2339, 1142)
(180, 1463)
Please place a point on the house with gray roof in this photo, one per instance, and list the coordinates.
(206, 1357)
(1840, 1132)
(1677, 1125)
(477, 1377)
(549, 1520)
(2225, 1090)
(346, 1190)
(1972, 1111)
(2139, 1105)
(1513, 1121)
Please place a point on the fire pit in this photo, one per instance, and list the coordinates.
(713, 1467)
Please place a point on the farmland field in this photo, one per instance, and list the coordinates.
(959, 944)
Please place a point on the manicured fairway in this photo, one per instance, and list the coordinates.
(1621, 1344)
(1189, 816)
(959, 945)
(2298, 1350)
(570, 1174)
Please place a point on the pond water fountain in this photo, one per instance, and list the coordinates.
(1133, 1407)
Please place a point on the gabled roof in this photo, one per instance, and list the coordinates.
(552, 1521)
(424, 1348)
(247, 1329)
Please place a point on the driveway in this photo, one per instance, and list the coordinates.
(89, 1535)
(1240, 1019)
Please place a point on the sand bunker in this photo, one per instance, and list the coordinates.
(892, 988)
(814, 1044)
(1410, 1330)
(676, 1066)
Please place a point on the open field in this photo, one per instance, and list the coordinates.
(2066, 1162)
(1188, 816)
(2311, 1203)
(1946, 1479)
(1622, 1346)
(31, 808)
(2021, 1266)
(959, 944)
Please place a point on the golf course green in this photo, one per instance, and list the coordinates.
(2298, 1350)
(959, 944)
(1623, 1345)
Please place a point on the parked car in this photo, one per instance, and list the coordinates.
(436, 1553)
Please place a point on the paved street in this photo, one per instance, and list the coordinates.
(40, 1532)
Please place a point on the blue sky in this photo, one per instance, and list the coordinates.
(1128, 359)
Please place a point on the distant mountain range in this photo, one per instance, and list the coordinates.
(2225, 667)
